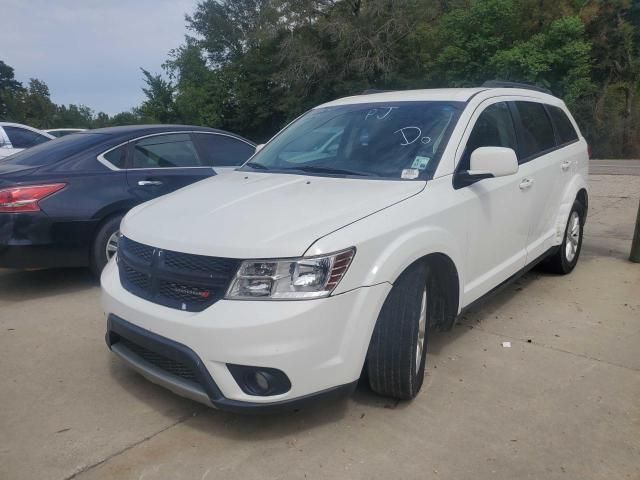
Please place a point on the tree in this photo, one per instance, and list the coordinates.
(39, 110)
(159, 104)
(11, 92)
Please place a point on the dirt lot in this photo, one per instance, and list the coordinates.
(562, 402)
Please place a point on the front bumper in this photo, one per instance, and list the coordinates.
(319, 344)
(35, 240)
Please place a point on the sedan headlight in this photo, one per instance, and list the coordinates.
(290, 279)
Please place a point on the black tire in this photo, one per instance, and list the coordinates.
(391, 360)
(560, 262)
(99, 258)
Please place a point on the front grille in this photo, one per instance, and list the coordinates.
(136, 279)
(140, 251)
(168, 365)
(174, 279)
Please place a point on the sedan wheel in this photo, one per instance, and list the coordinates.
(112, 245)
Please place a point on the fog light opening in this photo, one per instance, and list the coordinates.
(260, 381)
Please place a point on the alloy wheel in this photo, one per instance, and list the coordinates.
(573, 236)
(112, 245)
(422, 330)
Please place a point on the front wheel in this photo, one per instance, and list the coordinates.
(397, 352)
(105, 244)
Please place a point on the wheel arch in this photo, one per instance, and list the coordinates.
(442, 280)
(576, 189)
(583, 198)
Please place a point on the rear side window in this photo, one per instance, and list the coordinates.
(23, 138)
(165, 151)
(115, 157)
(536, 133)
(494, 128)
(564, 128)
(223, 151)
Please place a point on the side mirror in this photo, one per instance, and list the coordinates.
(259, 147)
(497, 161)
(488, 162)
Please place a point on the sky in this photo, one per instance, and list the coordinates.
(90, 51)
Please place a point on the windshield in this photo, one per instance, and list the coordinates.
(398, 140)
(54, 150)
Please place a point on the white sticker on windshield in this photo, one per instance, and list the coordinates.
(420, 162)
(410, 173)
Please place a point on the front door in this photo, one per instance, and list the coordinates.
(160, 164)
(494, 208)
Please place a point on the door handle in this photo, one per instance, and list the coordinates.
(149, 183)
(526, 183)
(565, 165)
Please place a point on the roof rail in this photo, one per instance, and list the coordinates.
(371, 91)
(503, 84)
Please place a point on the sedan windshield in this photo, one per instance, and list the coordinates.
(398, 140)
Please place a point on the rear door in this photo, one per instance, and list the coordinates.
(541, 166)
(222, 152)
(162, 163)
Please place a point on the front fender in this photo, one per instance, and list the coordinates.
(383, 258)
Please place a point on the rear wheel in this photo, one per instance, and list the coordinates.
(397, 352)
(105, 244)
(566, 258)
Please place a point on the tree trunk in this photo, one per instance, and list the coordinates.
(635, 244)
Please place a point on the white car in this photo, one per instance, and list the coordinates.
(281, 281)
(15, 137)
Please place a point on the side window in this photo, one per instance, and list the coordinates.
(165, 151)
(536, 134)
(222, 151)
(23, 138)
(115, 157)
(564, 128)
(494, 128)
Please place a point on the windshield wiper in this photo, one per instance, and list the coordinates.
(257, 166)
(330, 170)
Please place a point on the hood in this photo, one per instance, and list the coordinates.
(259, 215)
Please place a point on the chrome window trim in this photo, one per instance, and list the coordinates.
(4, 139)
(112, 167)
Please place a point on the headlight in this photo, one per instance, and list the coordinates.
(298, 278)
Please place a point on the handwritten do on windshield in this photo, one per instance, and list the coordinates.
(410, 134)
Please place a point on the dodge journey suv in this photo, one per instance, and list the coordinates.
(337, 246)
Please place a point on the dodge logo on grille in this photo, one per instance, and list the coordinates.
(191, 292)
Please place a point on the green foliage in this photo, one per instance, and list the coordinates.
(468, 40)
(250, 66)
(159, 103)
(557, 58)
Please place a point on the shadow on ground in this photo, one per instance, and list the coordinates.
(19, 286)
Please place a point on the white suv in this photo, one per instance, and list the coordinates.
(360, 225)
